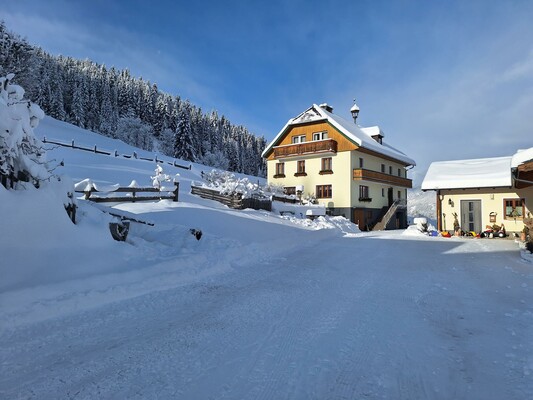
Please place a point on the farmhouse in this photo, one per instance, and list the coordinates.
(348, 168)
(481, 192)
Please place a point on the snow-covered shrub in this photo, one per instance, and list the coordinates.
(228, 184)
(21, 154)
(159, 177)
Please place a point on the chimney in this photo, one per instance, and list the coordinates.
(326, 107)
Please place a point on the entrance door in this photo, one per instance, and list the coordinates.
(391, 197)
(362, 217)
(471, 215)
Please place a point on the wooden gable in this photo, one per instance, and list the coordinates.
(343, 143)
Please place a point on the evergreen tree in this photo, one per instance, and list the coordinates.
(94, 97)
(183, 145)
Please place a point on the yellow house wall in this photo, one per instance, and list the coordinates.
(379, 199)
(340, 179)
(373, 163)
(492, 200)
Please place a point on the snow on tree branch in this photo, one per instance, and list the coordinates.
(21, 154)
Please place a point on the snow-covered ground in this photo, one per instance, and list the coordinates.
(262, 307)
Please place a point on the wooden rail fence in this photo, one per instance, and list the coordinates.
(133, 198)
(232, 201)
(115, 153)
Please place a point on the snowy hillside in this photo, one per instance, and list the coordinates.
(422, 204)
(262, 306)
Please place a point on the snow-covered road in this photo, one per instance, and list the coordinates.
(377, 317)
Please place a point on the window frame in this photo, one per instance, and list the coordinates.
(517, 202)
(324, 191)
(364, 193)
(280, 170)
(300, 168)
(322, 135)
(326, 166)
(290, 190)
(297, 139)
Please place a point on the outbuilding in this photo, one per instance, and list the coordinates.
(477, 193)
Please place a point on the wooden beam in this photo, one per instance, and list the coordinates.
(439, 212)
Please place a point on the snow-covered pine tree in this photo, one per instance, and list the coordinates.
(94, 97)
(135, 132)
(22, 155)
(183, 144)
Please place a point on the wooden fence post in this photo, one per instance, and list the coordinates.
(176, 190)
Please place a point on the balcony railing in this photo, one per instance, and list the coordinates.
(317, 146)
(360, 174)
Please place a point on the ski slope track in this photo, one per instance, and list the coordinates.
(262, 307)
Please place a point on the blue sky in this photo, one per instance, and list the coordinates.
(443, 79)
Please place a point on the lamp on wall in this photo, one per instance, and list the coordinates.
(450, 202)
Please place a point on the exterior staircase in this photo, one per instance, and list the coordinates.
(382, 224)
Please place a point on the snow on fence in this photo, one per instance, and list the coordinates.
(115, 153)
(233, 201)
(90, 188)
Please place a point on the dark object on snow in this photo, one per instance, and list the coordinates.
(119, 230)
(197, 233)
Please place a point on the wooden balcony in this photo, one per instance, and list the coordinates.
(317, 146)
(360, 174)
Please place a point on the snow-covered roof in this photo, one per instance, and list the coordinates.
(355, 133)
(373, 131)
(521, 156)
(475, 173)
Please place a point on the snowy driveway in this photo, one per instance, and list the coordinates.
(370, 317)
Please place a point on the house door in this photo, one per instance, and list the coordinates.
(361, 217)
(391, 197)
(471, 215)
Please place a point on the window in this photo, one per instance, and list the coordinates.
(300, 168)
(325, 166)
(399, 172)
(399, 194)
(382, 192)
(323, 192)
(290, 190)
(280, 170)
(383, 168)
(298, 139)
(320, 135)
(364, 193)
(361, 162)
(514, 208)
(390, 169)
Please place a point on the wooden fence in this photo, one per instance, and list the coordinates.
(285, 199)
(133, 197)
(115, 153)
(233, 201)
